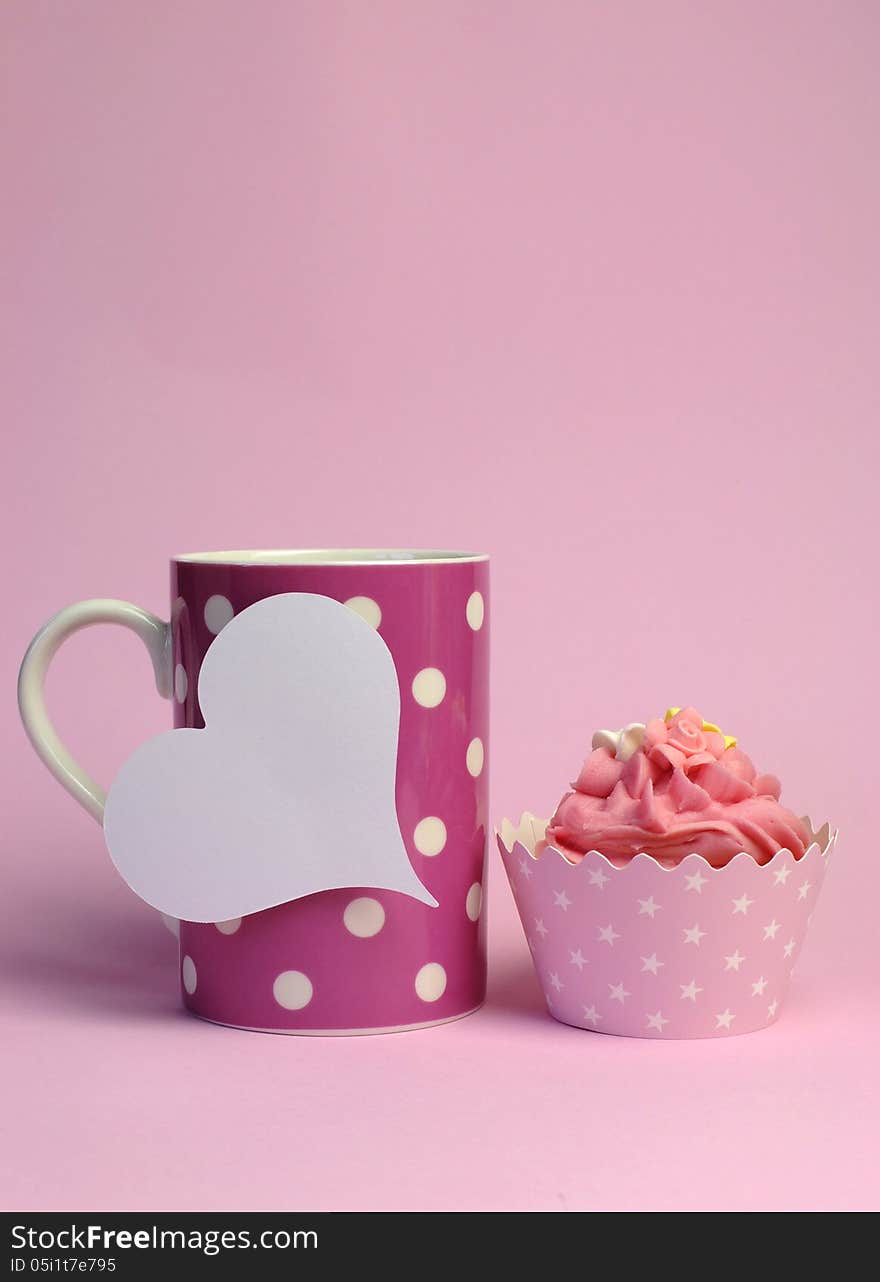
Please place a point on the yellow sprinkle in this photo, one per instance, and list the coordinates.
(730, 741)
(710, 725)
(671, 712)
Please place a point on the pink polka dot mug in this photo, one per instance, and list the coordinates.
(358, 960)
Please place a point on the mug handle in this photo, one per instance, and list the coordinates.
(156, 636)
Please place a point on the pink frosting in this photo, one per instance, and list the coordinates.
(681, 792)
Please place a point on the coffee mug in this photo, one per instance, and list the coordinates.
(360, 959)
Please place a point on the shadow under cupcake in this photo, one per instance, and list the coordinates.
(670, 894)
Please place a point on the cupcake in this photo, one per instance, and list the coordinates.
(670, 893)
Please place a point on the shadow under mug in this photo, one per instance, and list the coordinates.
(358, 960)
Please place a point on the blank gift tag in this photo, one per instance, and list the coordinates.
(289, 788)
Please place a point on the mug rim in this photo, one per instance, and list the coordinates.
(329, 556)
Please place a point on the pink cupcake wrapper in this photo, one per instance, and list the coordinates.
(652, 951)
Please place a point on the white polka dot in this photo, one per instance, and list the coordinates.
(180, 683)
(430, 835)
(475, 610)
(474, 901)
(218, 612)
(431, 982)
(429, 687)
(475, 757)
(367, 608)
(292, 990)
(188, 973)
(228, 927)
(364, 917)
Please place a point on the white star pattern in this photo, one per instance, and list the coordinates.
(606, 968)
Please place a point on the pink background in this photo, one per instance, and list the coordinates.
(591, 287)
